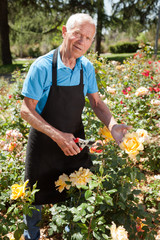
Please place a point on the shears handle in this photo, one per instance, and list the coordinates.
(76, 140)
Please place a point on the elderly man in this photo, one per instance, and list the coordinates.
(54, 96)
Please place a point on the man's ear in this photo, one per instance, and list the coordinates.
(64, 30)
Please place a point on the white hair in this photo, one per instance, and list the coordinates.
(78, 18)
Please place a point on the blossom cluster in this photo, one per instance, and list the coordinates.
(11, 236)
(18, 190)
(13, 134)
(133, 142)
(11, 140)
(140, 224)
(118, 233)
(77, 178)
(105, 133)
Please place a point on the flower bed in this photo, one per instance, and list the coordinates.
(108, 201)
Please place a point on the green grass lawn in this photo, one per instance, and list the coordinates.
(117, 57)
(121, 56)
(16, 65)
(19, 64)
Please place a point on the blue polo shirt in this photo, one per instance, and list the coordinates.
(39, 78)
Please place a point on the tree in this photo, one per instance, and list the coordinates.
(103, 21)
(5, 54)
(100, 14)
(134, 15)
(157, 35)
(58, 10)
(25, 22)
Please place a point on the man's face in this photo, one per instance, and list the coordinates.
(78, 39)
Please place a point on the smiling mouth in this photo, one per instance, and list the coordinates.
(77, 48)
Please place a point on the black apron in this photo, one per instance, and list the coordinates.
(45, 161)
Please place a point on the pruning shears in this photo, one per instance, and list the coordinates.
(83, 143)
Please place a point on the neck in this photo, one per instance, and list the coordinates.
(66, 57)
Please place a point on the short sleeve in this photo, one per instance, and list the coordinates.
(34, 82)
(92, 82)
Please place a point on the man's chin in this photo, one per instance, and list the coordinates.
(77, 55)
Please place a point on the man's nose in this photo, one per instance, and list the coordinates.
(81, 40)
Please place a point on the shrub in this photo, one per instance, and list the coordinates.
(124, 47)
(34, 52)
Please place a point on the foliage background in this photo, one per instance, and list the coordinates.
(122, 190)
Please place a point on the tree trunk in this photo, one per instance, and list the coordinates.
(1, 63)
(157, 36)
(5, 53)
(100, 12)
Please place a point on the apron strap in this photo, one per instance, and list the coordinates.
(81, 75)
(54, 69)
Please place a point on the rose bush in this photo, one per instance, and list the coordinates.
(112, 192)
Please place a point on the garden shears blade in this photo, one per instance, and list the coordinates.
(83, 143)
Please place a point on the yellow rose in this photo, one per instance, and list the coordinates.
(131, 144)
(105, 133)
(18, 190)
(11, 236)
(120, 67)
(80, 177)
(141, 91)
(140, 224)
(11, 146)
(118, 233)
(61, 182)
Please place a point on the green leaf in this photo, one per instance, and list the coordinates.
(108, 200)
(99, 199)
(88, 193)
(77, 236)
(10, 209)
(90, 208)
(16, 211)
(92, 185)
(97, 236)
(111, 191)
(53, 228)
(122, 205)
(59, 221)
(17, 234)
(22, 226)
(101, 170)
(91, 199)
(105, 236)
(93, 223)
(136, 192)
(77, 218)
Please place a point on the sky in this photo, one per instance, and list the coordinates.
(107, 5)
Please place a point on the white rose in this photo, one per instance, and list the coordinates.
(111, 90)
(143, 135)
(141, 91)
(155, 102)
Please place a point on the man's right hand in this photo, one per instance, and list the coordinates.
(66, 142)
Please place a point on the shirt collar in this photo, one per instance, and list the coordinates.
(60, 64)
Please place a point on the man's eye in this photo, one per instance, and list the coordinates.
(77, 34)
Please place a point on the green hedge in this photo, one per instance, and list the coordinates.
(124, 47)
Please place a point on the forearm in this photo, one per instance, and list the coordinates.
(37, 122)
(101, 110)
(64, 140)
(104, 114)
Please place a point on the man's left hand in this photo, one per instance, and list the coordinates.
(118, 132)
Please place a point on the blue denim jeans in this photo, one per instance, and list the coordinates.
(33, 231)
